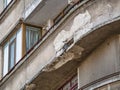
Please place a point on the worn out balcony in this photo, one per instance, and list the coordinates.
(54, 59)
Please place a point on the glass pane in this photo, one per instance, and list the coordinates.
(115, 86)
(19, 45)
(5, 67)
(32, 36)
(5, 3)
(12, 55)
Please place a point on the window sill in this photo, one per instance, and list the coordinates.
(6, 9)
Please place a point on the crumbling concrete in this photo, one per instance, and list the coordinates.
(41, 57)
(73, 53)
(80, 26)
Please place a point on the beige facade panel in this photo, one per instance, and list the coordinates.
(101, 62)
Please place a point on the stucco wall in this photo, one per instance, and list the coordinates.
(30, 68)
(103, 61)
(13, 15)
(11, 18)
(1, 6)
(47, 51)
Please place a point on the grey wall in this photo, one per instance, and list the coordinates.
(102, 61)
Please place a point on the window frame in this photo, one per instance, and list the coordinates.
(3, 58)
(10, 44)
(29, 35)
(8, 40)
(6, 3)
(24, 34)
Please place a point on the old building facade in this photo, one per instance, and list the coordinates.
(59, 45)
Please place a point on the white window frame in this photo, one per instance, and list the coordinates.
(17, 38)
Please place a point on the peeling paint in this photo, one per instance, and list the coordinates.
(81, 25)
(74, 53)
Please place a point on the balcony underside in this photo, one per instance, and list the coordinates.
(47, 9)
(54, 79)
(31, 67)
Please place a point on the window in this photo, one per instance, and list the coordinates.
(12, 54)
(6, 2)
(17, 44)
(9, 55)
(12, 51)
(32, 36)
(5, 65)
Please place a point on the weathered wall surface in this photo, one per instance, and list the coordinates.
(11, 18)
(30, 68)
(92, 15)
(1, 6)
(98, 12)
(103, 61)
